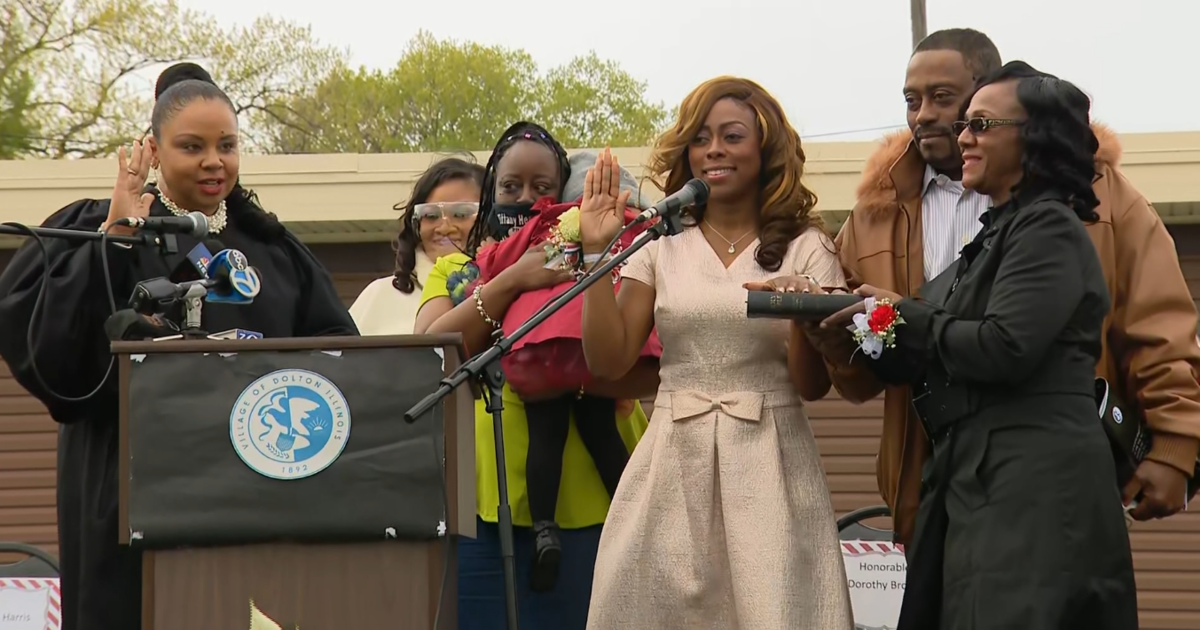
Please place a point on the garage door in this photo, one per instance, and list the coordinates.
(27, 467)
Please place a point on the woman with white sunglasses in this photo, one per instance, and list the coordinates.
(436, 220)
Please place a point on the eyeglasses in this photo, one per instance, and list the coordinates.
(453, 212)
(980, 125)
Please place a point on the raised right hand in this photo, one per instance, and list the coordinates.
(128, 200)
(602, 212)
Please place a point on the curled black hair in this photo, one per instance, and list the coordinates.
(405, 245)
(1058, 144)
(178, 86)
(977, 50)
(519, 132)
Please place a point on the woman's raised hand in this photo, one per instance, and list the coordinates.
(602, 213)
(128, 200)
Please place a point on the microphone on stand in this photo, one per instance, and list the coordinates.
(156, 295)
(693, 193)
(232, 279)
(217, 272)
(194, 223)
(227, 278)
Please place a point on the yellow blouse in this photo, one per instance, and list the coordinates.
(582, 499)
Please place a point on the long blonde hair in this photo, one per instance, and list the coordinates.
(787, 204)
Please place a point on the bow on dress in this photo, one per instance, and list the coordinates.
(690, 404)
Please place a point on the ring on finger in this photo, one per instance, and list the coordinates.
(131, 171)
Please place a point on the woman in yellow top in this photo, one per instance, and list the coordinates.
(527, 164)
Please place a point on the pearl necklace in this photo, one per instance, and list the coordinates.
(216, 222)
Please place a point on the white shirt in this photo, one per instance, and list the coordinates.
(382, 310)
(949, 219)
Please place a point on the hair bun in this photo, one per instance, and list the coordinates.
(181, 72)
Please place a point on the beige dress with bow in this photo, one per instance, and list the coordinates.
(723, 518)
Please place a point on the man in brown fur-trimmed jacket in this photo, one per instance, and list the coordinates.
(911, 220)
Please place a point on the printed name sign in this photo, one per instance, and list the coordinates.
(30, 604)
(875, 573)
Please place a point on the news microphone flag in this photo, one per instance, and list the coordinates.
(200, 257)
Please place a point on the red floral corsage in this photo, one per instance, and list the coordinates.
(875, 327)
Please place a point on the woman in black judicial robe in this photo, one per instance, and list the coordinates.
(1020, 524)
(194, 147)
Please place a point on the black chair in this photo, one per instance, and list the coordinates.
(39, 564)
(851, 527)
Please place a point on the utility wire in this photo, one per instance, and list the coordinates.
(846, 133)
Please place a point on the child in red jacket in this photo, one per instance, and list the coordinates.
(550, 357)
(550, 360)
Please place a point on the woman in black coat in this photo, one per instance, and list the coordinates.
(65, 354)
(1020, 524)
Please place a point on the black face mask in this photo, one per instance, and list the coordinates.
(506, 218)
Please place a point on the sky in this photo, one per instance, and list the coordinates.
(837, 67)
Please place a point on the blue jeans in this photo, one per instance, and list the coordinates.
(481, 581)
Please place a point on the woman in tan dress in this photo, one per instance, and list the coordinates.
(722, 519)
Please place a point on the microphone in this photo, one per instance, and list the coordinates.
(807, 307)
(155, 296)
(693, 193)
(231, 278)
(194, 223)
(195, 265)
(228, 279)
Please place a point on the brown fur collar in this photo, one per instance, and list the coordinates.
(877, 193)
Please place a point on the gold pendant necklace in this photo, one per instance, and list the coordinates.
(732, 244)
(216, 222)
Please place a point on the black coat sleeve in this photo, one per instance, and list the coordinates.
(69, 344)
(1038, 286)
(895, 368)
(322, 312)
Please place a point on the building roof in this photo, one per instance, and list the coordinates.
(335, 198)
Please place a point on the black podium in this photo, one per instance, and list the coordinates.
(282, 471)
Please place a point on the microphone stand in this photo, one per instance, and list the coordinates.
(191, 313)
(485, 368)
(167, 243)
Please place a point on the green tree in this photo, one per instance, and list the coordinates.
(267, 66)
(444, 95)
(591, 102)
(440, 95)
(16, 129)
(92, 63)
(16, 90)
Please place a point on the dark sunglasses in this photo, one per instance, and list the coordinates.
(980, 125)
